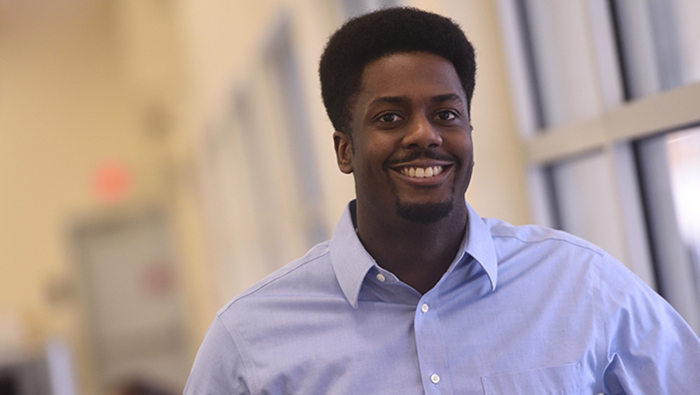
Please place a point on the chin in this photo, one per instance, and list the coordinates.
(424, 213)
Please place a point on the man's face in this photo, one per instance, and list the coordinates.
(410, 147)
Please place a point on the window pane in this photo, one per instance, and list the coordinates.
(659, 43)
(670, 168)
(564, 61)
(585, 196)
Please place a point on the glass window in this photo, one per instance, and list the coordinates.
(670, 169)
(584, 200)
(558, 38)
(285, 76)
(658, 43)
(573, 64)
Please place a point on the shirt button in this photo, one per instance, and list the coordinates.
(434, 378)
(424, 309)
(381, 277)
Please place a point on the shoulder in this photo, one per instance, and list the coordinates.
(538, 253)
(254, 321)
(543, 249)
(218, 366)
(312, 273)
(533, 235)
(291, 297)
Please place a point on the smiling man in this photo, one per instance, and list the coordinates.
(410, 150)
(415, 293)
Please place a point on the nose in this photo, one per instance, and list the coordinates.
(421, 133)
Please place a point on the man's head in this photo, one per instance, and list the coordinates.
(372, 36)
(397, 85)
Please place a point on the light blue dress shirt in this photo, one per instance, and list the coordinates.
(521, 310)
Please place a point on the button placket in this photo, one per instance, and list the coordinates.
(430, 345)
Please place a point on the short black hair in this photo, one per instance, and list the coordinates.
(372, 36)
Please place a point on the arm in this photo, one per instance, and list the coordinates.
(650, 348)
(218, 368)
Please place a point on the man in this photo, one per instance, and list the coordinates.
(415, 293)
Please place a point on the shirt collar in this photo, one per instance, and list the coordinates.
(351, 261)
(479, 245)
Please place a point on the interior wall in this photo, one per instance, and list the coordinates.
(63, 112)
(71, 101)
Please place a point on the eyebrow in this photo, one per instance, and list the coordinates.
(401, 99)
(446, 97)
(388, 99)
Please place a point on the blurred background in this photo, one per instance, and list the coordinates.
(157, 157)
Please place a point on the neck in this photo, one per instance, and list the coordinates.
(417, 253)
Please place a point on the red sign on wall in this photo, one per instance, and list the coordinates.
(112, 182)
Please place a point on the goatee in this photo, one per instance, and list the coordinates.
(423, 213)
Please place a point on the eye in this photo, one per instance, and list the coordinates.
(389, 117)
(446, 115)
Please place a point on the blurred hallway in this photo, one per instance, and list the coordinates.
(157, 157)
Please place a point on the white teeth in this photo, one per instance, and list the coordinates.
(420, 172)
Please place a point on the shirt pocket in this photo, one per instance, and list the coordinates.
(555, 380)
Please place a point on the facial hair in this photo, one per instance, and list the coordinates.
(424, 213)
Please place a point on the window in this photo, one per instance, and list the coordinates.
(658, 43)
(671, 172)
(605, 91)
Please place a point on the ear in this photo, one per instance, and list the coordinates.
(343, 151)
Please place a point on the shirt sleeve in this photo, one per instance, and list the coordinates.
(218, 367)
(650, 348)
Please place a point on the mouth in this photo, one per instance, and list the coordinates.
(422, 172)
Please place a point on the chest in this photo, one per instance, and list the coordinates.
(454, 344)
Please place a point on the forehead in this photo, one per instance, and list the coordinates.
(410, 73)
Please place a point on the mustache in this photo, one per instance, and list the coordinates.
(429, 154)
